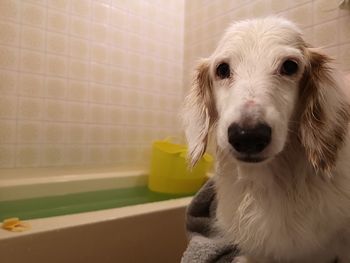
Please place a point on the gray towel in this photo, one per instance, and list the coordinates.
(206, 244)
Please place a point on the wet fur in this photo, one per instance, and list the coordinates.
(296, 206)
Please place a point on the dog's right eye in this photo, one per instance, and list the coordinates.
(223, 71)
(289, 67)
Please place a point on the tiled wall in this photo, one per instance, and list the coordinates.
(324, 24)
(88, 82)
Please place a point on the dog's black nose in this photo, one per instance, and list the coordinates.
(249, 140)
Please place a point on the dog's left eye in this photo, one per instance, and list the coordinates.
(223, 71)
(289, 67)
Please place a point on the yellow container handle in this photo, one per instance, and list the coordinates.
(168, 147)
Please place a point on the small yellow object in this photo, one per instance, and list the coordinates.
(15, 225)
(169, 169)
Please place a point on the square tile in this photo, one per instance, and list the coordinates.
(325, 10)
(326, 34)
(33, 38)
(28, 155)
(62, 5)
(56, 43)
(76, 133)
(78, 112)
(344, 29)
(96, 134)
(99, 53)
(344, 57)
(79, 27)
(99, 33)
(79, 48)
(100, 12)
(7, 155)
(98, 93)
(32, 61)
(9, 33)
(97, 113)
(57, 21)
(56, 87)
(96, 154)
(8, 57)
(30, 108)
(29, 132)
(54, 132)
(7, 131)
(302, 15)
(117, 115)
(99, 73)
(56, 65)
(75, 155)
(31, 84)
(78, 90)
(81, 8)
(8, 107)
(79, 70)
(52, 155)
(9, 9)
(8, 82)
(34, 15)
(54, 110)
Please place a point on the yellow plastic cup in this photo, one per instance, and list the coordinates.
(169, 170)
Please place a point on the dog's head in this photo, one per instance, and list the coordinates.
(261, 84)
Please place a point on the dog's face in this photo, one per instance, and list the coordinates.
(251, 89)
(255, 78)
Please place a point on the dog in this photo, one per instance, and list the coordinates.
(277, 110)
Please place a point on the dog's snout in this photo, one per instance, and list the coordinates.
(250, 140)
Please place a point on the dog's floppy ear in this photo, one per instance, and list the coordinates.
(199, 112)
(325, 111)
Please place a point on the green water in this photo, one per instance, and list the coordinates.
(79, 202)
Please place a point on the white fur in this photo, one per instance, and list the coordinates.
(282, 209)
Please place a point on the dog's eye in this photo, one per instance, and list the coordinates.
(223, 71)
(289, 67)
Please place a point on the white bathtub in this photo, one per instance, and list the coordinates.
(153, 232)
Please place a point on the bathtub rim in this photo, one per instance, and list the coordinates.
(27, 183)
(45, 225)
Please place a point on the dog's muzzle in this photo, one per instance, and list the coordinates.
(249, 141)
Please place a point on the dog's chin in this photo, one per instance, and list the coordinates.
(251, 159)
(255, 159)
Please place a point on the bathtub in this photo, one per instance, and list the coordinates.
(151, 232)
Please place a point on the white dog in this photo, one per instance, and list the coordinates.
(280, 118)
